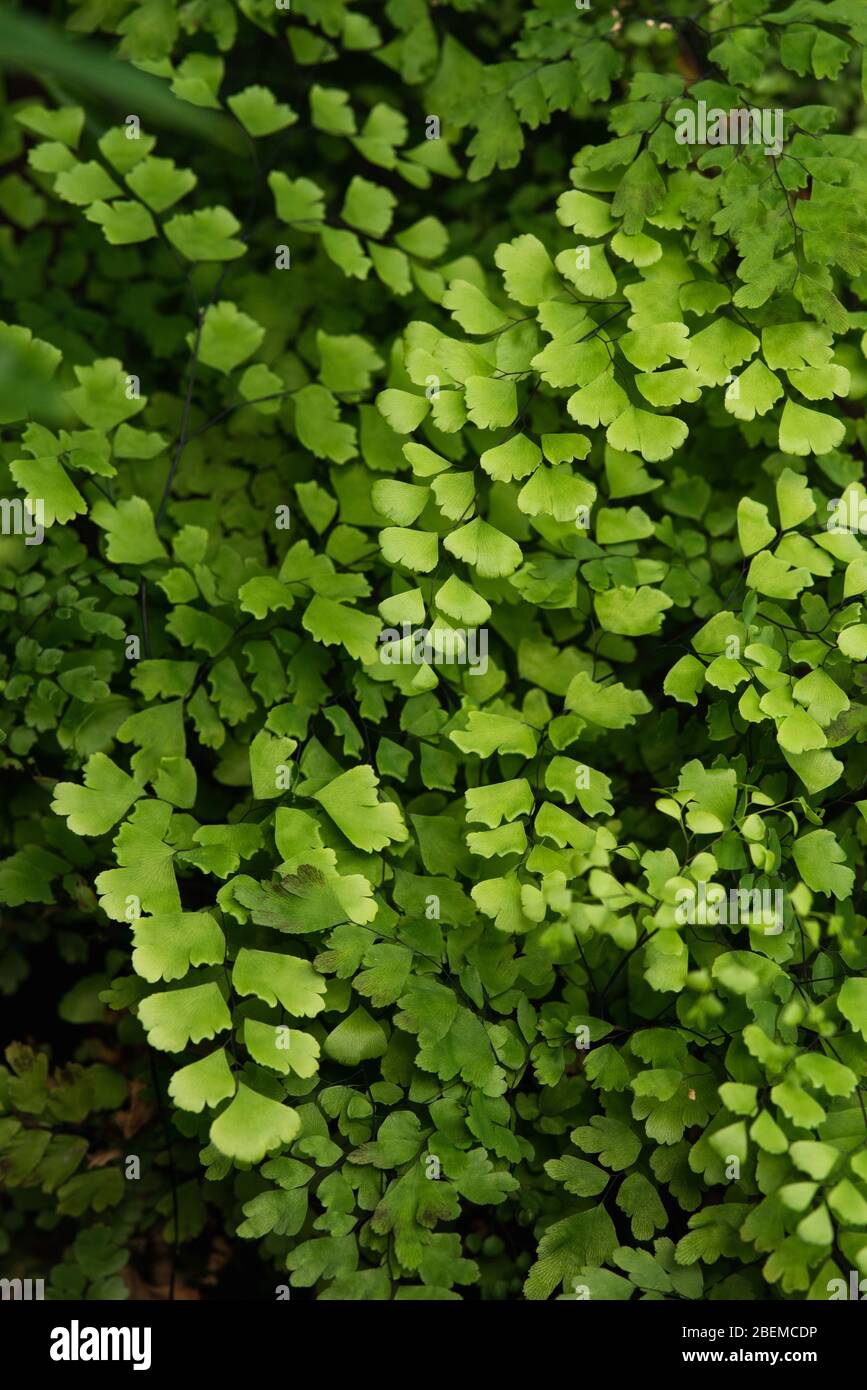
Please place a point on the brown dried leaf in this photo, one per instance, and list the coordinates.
(101, 1157)
(138, 1113)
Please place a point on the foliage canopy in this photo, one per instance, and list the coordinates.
(348, 320)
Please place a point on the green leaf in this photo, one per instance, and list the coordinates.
(253, 1126)
(415, 550)
(631, 611)
(580, 1178)
(332, 623)
(103, 397)
(45, 482)
(282, 1049)
(472, 309)
(319, 427)
(182, 1016)
(804, 431)
(166, 946)
(528, 273)
(754, 529)
(204, 1083)
(357, 1039)
(283, 979)
(639, 194)
(345, 250)
(367, 207)
(85, 183)
(716, 351)
(584, 214)
(820, 860)
(330, 110)
(26, 876)
(487, 731)
(639, 1199)
(104, 799)
(274, 1211)
(794, 500)
(123, 223)
(518, 457)
(852, 1003)
(481, 545)
(793, 346)
(259, 111)
(145, 878)
(652, 436)
(685, 680)
(159, 183)
(492, 402)
(228, 336)
(610, 706)
(403, 411)
(568, 1246)
(754, 392)
(616, 1144)
(352, 803)
(130, 531)
(269, 754)
(65, 125)
(297, 200)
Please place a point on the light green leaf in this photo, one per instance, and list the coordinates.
(174, 1019)
(352, 802)
(253, 1126)
(282, 979)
